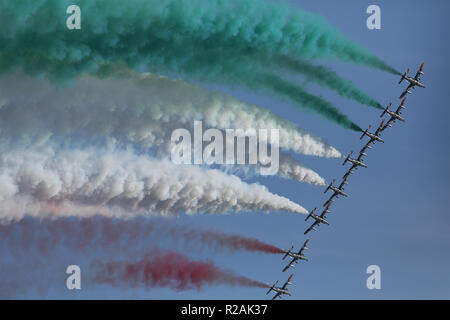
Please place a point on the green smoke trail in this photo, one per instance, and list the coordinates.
(116, 29)
(304, 98)
(209, 66)
(327, 77)
(118, 33)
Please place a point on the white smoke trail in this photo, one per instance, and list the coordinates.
(128, 107)
(289, 168)
(120, 183)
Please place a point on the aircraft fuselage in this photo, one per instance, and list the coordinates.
(395, 115)
(414, 82)
(298, 256)
(338, 191)
(280, 290)
(317, 218)
(374, 137)
(358, 163)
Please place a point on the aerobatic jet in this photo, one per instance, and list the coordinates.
(295, 256)
(373, 136)
(355, 162)
(413, 82)
(394, 115)
(280, 290)
(318, 219)
(339, 191)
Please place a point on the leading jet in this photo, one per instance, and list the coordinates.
(280, 290)
(413, 82)
(295, 256)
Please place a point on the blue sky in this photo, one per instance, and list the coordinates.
(397, 214)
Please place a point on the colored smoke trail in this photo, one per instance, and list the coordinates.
(127, 107)
(306, 99)
(327, 77)
(269, 28)
(167, 269)
(121, 183)
(163, 39)
(76, 234)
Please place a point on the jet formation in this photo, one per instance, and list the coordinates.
(355, 163)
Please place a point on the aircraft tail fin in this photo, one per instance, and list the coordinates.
(346, 159)
(287, 252)
(364, 133)
(310, 214)
(386, 109)
(329, 186)
(403, 76)
(271, 288)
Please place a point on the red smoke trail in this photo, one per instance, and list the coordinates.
(81, 234)
(158, 269)
(231, 241)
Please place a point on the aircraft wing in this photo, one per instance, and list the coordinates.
(417, 77)
(366, 146)
(360, 157)
(276, 295)
(322, 215)
(330, 199)
(406, 91)
(287, 282)
(419, 72)
(315, 223)
(289, 265)
(303, 248)
(399, 109)
(380, 128)
(391, 119)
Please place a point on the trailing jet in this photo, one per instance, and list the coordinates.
(373, 136)
(355, 162)
(394, 115)
(295, 256)
(280, 290)
(413, 82)
(318, 219)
